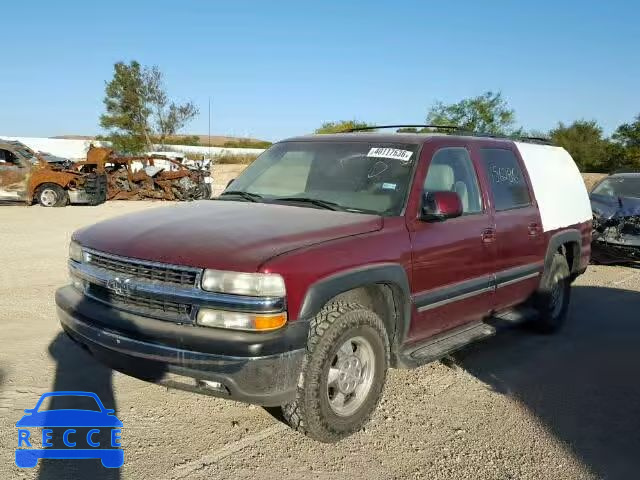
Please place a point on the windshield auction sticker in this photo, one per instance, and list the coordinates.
(385, 152)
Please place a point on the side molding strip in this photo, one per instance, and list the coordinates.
(516, 280)
(463, 296)
(470, 288)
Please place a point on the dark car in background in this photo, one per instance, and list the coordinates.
(615, 202)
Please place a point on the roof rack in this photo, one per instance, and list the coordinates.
(377, 127)
(527, 139)
(546, 141)
(458, 130)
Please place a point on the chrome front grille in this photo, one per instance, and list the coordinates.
(139, 286)
(144, 270)
(143, 304)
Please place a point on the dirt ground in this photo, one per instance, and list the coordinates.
(590, 179)
(517, 406)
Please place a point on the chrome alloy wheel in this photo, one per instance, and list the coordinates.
(350, 376)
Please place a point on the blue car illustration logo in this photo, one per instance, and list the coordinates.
(81, 431)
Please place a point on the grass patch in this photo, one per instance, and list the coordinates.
(227, 159)
(247, 143)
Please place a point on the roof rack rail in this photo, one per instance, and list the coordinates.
(539, 140)
(376, 127)
(542, 140)
(456, 129)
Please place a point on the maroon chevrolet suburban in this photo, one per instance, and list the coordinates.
(329, 260)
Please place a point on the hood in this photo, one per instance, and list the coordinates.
(227, 235)
(607, 206)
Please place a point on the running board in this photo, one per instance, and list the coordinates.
(450, 341)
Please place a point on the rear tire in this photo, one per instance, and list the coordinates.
(52, 195)
(343, 373)
(552, 298)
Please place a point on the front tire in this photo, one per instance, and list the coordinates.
(343, 373)
(552, 298)
(52, 195)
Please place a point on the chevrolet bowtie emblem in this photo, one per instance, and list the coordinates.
(120, 286)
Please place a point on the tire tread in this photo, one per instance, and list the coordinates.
(302, 414)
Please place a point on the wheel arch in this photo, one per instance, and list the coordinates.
(35, 186)
(36, 192)
(384, 288)
(567, 242)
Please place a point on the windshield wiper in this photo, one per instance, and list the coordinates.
(314, 201)
(252, 197)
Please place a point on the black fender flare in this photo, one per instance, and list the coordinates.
(391, 274)
(559, 239)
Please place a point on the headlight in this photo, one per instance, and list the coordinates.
(252, 284)
(239, 320)
(75, 251)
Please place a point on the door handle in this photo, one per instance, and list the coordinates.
(488, 235)
(534, 229)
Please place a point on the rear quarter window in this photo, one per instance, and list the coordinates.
(506, 179)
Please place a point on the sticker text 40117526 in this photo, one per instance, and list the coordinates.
(386, 152)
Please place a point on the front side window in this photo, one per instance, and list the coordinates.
(358, 176)
(8, 157)
(451, 170)
(506, 179)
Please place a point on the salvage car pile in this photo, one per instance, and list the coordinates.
(615, 203)
(137, 178)
(31, 177)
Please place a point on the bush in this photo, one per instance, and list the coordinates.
(193, 140)
(247, 143)
(244, 159)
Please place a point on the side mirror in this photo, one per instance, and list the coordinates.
(439, 206)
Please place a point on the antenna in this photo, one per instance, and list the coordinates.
(209, 133)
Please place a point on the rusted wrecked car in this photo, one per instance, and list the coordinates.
(148, 177)
(28, 177)
(615, 203)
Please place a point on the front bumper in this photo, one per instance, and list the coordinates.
(260, 368)
(615, 251)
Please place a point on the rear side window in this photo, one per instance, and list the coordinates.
(506, 179)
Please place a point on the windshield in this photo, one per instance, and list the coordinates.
(369, 177)
(26, 153)
(68, 402)
(619, 187)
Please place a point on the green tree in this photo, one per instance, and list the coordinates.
(127, 109)
(341, 126)
(486, 113)
(627, 137)
(167, 116)
(138, 110)
(583, 139)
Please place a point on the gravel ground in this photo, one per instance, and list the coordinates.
(517, 406)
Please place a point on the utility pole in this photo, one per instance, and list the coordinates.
(209, 133)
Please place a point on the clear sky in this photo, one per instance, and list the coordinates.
(280, 68)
